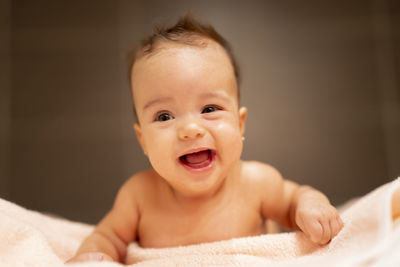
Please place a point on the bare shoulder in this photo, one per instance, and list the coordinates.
(121, 221)
(273, 192)
(260, 173)
(139, 184)
(140, 179)
(263, 181)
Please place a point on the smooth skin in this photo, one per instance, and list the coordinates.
(186, 100)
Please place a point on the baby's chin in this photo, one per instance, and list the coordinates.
(199, 190)
(192, 185)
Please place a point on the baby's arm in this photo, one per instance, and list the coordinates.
(109, 239)
(314, 215)
(299, 207)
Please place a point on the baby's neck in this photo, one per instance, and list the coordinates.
(200, 200)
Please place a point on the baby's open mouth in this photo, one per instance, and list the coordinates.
(198, 160)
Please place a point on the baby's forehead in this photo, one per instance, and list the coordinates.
(170, 54)
(171, 62)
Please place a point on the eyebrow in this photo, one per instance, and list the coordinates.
(156, 101)
(169, 99)
(215, 94)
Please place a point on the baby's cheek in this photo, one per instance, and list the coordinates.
(230, 138)
(162, 163)
(159, 152)
(230, 129)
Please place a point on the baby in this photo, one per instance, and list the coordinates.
(189, 123)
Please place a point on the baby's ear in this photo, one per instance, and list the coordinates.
(139, 136)
(242, 119)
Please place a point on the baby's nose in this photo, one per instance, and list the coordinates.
(191, 130)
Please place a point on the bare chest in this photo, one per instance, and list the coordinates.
(161, 226)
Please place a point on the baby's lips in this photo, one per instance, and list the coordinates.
(194, 150)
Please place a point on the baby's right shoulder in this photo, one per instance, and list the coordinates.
(137, 189)
(140, 181)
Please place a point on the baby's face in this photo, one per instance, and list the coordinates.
(191, 126)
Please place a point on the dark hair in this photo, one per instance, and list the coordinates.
(188, 31)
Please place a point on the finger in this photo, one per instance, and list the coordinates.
(326, 234)
(335, 227)
(100, 257)
(314, 228)
(90, 256)
(79, 258)
(300, 224)
(339, 219)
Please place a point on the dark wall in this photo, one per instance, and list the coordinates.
(312, 82)
(5, 88)
(66, 97)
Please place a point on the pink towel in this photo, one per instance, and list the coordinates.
(369, 238)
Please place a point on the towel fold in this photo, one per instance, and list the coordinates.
(369, 238)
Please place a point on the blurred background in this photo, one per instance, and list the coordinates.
(320, 81)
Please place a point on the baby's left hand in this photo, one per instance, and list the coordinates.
(319, 220)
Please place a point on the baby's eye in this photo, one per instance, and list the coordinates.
(209, 109)
(164, 117)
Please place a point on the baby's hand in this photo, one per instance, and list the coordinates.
(90, 256)
(320, 221)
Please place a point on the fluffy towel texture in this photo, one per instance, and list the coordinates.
(369, 237)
